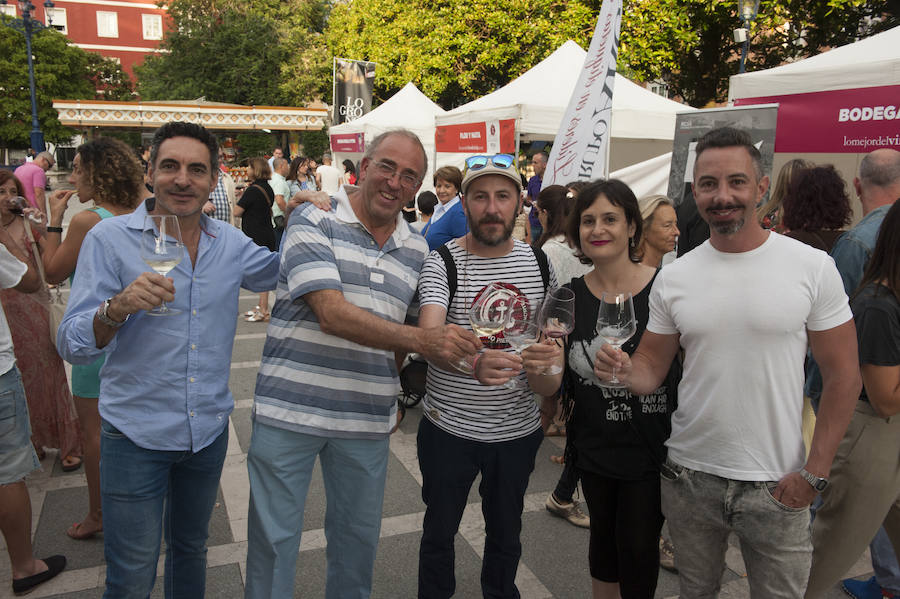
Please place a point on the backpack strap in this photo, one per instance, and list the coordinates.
(450, 266)
(541, 258)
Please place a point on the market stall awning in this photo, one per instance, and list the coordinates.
(212, 115)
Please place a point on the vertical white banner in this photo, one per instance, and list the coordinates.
(581, 146)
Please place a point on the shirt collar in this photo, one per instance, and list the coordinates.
(345, 214)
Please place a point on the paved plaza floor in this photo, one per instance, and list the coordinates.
(553, 565)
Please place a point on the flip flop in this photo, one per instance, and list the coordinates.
(76, 533)
(558, 459)
(71, 466)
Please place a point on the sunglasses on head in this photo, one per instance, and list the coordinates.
(474, 163)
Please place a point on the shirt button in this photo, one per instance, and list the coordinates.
(192, 379)
(194, 312)
(193, 346)
(192, 413)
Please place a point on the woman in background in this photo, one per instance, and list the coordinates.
(770, 213)
(660, 229)
(54, 422)
(816, 207)
(255, 210)
(104, 171)
(349, 172)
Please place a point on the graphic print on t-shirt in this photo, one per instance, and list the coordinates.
(581, 362)
(495, 309)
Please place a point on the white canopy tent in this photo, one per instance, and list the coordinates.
(643, 123)
(408, 108)
(870, 62)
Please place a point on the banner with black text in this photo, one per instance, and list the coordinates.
(353, 82)
(581, 147)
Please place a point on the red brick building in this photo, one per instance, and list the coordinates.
(125, 30)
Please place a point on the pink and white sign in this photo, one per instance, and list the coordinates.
(347, 142)
(492, 137)
(840, 121)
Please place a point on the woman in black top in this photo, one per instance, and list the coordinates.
(255, 210)
(616, 438)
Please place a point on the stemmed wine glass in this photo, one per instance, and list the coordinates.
(162, 250)
(521, 331)
(615, 325)
(557, 317)
(487, 315)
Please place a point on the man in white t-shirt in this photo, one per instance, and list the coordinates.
(328, 178)
(744, 305)
(17, 456)
(470, 426)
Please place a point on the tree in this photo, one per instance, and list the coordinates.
(263, 52)
(109, 80)
(61, 71)
(688, 44)
(455, 50)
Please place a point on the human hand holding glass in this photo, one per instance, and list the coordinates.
(616, 324)
(162, 250)
(557, 317)
(487, 316)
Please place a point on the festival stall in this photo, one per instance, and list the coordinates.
(531, 107)
(408, 108)
(833, 107)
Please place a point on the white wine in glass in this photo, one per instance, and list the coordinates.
(162, 250)
(616, 324)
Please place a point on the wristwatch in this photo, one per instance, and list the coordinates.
(818, 483)
(103, 315)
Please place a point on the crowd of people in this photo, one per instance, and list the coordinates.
(696, 419)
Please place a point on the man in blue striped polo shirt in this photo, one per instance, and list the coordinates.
(328, 382)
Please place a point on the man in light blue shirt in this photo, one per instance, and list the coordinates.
(164, 398)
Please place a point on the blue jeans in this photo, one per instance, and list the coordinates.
(145, 492)
(449, 465)
(702, 509)
(280, 463)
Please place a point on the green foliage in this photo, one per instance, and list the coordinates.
(255, 143)
(689, 44)
(109, 80)
(315, 143)
(455, 50)
(262, 52)
(61, 71)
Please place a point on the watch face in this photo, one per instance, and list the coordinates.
(820, 484)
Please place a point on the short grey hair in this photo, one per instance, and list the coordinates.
(373, 147)
(881, 169)
(46, 156)
(277, 162)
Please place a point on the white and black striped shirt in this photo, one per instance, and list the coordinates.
(458, 403)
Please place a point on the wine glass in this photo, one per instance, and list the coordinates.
(162, 250)
(521, 331)
(615, 325)
(557, 317)
(487, 315)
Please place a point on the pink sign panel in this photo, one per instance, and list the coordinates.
(347, 142)
(841, 121)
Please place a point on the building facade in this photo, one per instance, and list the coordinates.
(124, 30)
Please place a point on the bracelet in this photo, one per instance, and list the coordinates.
(54, 229)
(475, 365)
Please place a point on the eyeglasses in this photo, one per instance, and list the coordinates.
(474, 163)
(389, 170)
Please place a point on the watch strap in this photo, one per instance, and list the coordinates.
(817, 482)
(103, 315)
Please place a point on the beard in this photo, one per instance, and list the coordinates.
(728, 227)
(483, 237)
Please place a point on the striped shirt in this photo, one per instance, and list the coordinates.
(458, 403)
(316, 383)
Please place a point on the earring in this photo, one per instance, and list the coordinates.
(632, 241)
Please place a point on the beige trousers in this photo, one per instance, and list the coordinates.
(861, 496)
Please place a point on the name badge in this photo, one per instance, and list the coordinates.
(377, 278)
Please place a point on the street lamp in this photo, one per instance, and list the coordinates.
(28, 25)
(747, 10)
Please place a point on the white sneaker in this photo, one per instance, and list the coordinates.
(568, 511)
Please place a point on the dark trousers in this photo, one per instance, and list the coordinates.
(626, 519)
(449, 465)
(568, 480)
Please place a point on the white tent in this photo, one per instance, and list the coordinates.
(408, 108)
(538, 99)
(870, 62)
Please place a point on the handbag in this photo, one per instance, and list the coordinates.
(57, 305)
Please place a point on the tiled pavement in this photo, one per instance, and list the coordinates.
(554, 562)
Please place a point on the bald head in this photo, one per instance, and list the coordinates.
(878, 183)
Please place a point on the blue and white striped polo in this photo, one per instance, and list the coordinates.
(316, 383)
